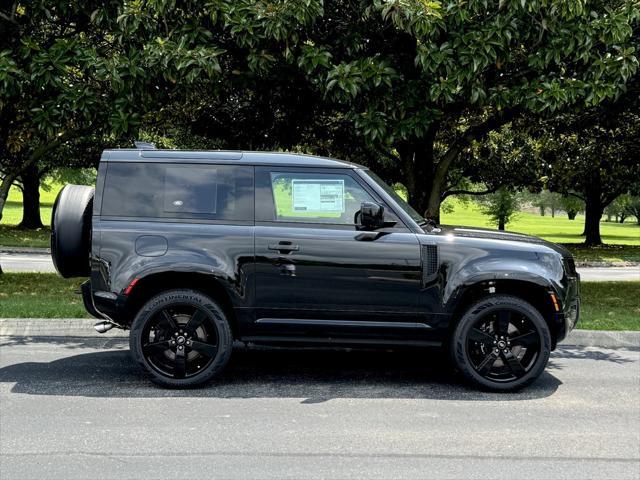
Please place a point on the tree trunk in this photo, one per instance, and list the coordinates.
(31, 198)
(593, 214)
(501, 224)
(7, 181)
(417, 172)
(542, 210)
(572, 214)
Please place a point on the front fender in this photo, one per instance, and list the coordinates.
(541, 269)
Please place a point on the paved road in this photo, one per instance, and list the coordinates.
(26, 262)
(30, 262)
(71, 409)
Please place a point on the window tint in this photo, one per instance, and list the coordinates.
(316, 197)
(210, 192)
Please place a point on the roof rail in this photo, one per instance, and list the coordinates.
(144, 145)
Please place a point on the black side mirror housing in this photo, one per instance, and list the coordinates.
(371, 216)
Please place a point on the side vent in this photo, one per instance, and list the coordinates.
(429, 263)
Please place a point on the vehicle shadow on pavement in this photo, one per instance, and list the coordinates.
(309, 374)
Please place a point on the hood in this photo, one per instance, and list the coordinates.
(473, 232)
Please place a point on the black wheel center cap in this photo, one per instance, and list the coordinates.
(180, 340)
(502, 344)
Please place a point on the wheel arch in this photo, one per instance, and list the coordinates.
(538, 294)
(147, 286)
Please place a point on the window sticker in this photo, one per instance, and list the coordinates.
(318, 195)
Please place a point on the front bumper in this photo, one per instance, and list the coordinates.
(568, 318)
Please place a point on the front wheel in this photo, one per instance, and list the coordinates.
(501, 343)
(181, 338)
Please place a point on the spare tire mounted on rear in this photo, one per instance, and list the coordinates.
(71, 230)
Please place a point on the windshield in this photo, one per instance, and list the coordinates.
(419, 219)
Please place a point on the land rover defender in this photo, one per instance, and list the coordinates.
(193, 250)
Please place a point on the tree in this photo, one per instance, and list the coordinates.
(417, 82)
(77, 72)
(547, 200)
(501, 206)
(594, 155)
(618, 209)
(633, 207)
(571, 205)
(423, 82)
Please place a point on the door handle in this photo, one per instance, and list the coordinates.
(284, 247)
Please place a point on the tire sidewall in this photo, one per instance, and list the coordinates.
(71, 230)
(468, 320)
(184, 297)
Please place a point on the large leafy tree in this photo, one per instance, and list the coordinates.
(414, 81)
(595, 155)
(421, 80)
(73, 73)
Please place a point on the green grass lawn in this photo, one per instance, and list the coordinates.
(610, 306)
(559, 229)
(11, 235)
(606, 305)
(40, 295)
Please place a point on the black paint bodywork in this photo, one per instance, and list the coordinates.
(319, 283)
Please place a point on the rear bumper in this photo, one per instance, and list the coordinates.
(102, 305)
(87, 299)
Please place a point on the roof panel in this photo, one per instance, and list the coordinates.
(220, 156)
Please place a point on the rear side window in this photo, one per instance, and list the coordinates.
(159, 190)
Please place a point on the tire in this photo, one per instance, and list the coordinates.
(496, 358)
(71, 231)
(181, 339)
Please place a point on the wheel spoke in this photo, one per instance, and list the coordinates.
(206, 349)
(166, 316)
(180, 364)
(525, 340)
(513, 363)
(156, 348)
(196, 320)
(479, 336)
(487, 363)
(502, 324)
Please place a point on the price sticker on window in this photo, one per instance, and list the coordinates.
(318, 195)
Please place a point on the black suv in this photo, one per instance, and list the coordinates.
(193, 250)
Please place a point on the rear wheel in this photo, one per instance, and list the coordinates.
(501, 343)
(181, 338)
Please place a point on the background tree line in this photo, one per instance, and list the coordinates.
(440, 96)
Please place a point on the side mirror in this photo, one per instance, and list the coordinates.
(371, 216)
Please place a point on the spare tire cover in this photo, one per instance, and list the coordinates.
(71, 230)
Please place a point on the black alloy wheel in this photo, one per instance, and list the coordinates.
(181, 338)
(502, 343)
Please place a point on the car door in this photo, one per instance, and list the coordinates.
(318, 275)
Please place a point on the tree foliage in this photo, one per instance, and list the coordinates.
(501, 206)
(411, 84)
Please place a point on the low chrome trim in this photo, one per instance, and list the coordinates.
(340, 323)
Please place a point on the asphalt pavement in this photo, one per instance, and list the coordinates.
(38, 262)
(78, 408)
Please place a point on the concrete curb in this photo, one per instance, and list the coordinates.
(602, 264)
(603, 338)
(83, 327)
(35, 250)
(55, 327)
